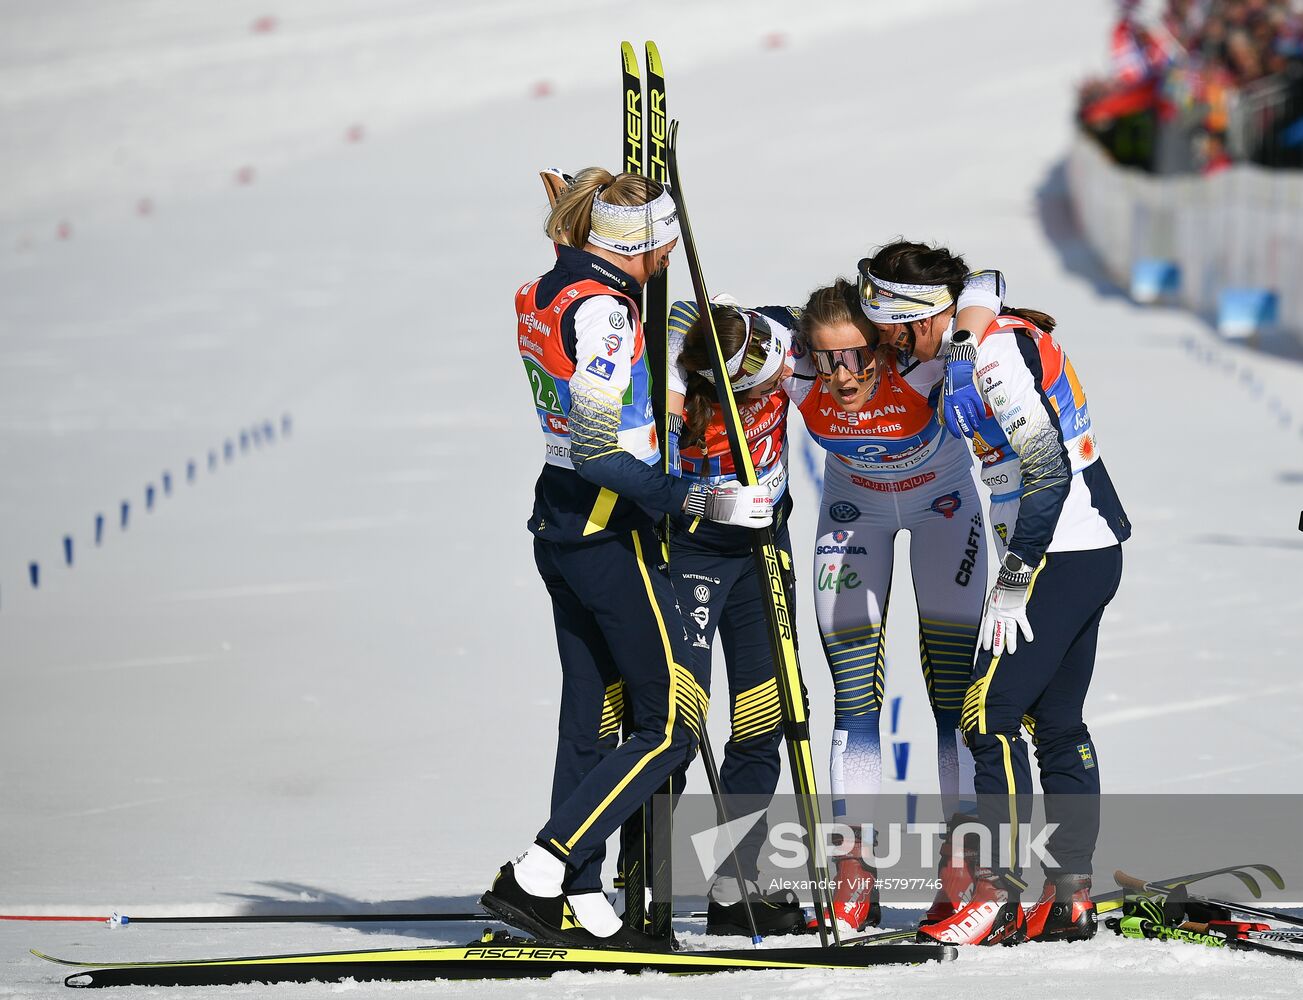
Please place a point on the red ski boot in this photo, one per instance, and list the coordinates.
(955, 872)
(855, 900)
(993, 916)
(1065, 911)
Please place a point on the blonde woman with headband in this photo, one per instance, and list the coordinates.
(618, 629)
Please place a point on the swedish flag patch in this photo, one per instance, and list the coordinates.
(1087, 755)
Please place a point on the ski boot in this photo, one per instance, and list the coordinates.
(1064, 912)
(994, 915)
(774, 913)
(855, 902)
(955, 873)
(551, 919)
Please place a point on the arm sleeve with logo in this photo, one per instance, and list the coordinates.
(682, 316)
(604, 338)
(982, 288)
(1009, 377)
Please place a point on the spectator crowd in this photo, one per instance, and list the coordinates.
(1203, 84)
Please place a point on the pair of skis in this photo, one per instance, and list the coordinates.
(1153, 923)
(778, 611)
(645, 839)
(505, 957)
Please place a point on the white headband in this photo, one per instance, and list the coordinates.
(776, 349)
(882, 304)
(634, 229)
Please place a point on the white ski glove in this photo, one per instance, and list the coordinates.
(731, 503)
(1006, 608)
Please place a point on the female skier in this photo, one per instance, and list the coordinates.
(890, 467)
(715, 575)
(618, 628)
(1059, 526)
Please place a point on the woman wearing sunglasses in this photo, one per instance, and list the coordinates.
(1059, 526)
(890, 467)
(580, 337)
(714, 572)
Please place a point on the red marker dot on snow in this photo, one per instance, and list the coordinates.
(264, 25)
(355, 133)
(64, 231)
(145, 207)
(542, 89)
(775, 40)
(244, 175)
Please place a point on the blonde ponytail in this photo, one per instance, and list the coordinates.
(571, 217)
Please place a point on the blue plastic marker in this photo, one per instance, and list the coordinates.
(34, 573)
(895, 715)
(67, 549)
(244, 440)
(228, 450)
(167, 484)
(901, 753)
(149, 496)
(126, 510)
(99, 528)
(190, 471)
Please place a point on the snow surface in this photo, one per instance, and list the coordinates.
(323, 674)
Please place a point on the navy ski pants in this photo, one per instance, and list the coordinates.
(621, 639)
(720, 588)
(1043, 686)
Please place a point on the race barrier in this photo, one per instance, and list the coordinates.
(1228, 246)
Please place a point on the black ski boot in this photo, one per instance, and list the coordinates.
(550, 919)
(775, 913)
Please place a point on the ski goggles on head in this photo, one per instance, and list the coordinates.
(861, 362)
(889, 302)
(760, 357)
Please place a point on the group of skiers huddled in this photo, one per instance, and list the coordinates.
(902, 374)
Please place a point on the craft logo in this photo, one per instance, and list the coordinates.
(843, 512)
(946, 505)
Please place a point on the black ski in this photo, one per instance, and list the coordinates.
(635, 834)
(782, 633)
(500, 957)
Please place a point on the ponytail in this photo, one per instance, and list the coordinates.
(571, 218)
(1035, 317)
